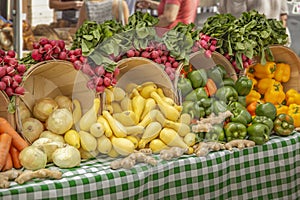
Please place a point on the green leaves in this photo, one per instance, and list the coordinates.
(250, 34)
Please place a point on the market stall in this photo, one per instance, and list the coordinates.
(160, 114)
(270, 171)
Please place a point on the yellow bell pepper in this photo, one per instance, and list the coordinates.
(282, 72)
(282, 109)
(264, 84)
(294, 111)
(292, 96)
(252, 96)
(250, 72)
(275, 94)
(265, 71)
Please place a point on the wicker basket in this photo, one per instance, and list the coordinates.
(4, 102)
(50, 79)
(199, 60)
(139, 70)
(286, 55)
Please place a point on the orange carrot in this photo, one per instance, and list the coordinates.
(15, 157)
(5, 142)
(17, 140)
(9, 164)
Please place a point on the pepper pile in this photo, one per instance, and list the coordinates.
(267, 87)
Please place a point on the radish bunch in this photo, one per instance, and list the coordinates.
(158, 53)
(232, 58)
(11, 73)
(206, 42)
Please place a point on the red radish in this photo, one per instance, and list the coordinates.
(100, 88)
(98, 81)
(163, 59)
(14, 84)
(36, 55)
(116, 72)
(10, 71)
(61, 44)
(172, 76)
(11, 53)
(21, 68)
(83, 59)
(175, 64)
(113, 81)
(77, 65)
(2, 85)
(212, 48)
(168, 70)
(213, 42)
(9, 91)
(171, 59)
(62, 55)
(53, 43)
(77, 52)
(2, 52)
(86, 68)
(36, 45)
(106, 81)
(244, 58)
(2, 71)
(158, 60)
(7, 80)
(145, 54)
(6, 59)
(130, 53)
(109, 75)
(99, 70)
(90, 84)
(154, 54)
(136, 53)
(43, 41)
(18, 78)
(168, 64)
(72, 58)
(208, 53)
(56, 50)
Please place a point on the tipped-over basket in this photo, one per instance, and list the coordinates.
(50, 79)
(139, 70)
(4, 102)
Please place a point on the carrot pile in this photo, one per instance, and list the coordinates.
(11, 144)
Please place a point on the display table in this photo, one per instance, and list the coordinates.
(269, 171)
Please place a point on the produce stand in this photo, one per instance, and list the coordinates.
(269, 171)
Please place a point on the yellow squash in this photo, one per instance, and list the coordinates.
(117, 127)
(90, 116)
(171, 138)
(107, 130)
(151, 132)
(123, 146)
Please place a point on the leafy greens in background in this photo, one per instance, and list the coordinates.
(250, 34)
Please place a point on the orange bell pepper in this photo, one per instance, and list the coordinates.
(252, 96)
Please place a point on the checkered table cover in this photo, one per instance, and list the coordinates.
(269, 171)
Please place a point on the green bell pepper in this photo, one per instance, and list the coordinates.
(264, 120)
(197, 77)
(216, 133)
(243, 85)
(284, 124)
(219, 107)
(216, 73)
(235, 130)
(184, 86)
(258, 133)
(193, 109)
(241, 116)
(228, 82)
(236, 105)
(196, 94)
(242, 100)
(206, 102)
(227, 94)
(266, 109)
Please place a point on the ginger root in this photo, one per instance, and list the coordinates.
(203, 148)
(173, 152)
(239, 143)
(129, 161)
(7, 176)
(205, 124)
(41, 173)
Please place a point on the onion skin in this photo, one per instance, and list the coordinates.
(32, 129)
(66, 157)
(43, 108)
(60, 121)
(33, 158)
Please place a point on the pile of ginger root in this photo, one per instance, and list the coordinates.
(22, 177)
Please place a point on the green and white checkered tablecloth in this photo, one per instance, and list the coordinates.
(269, 171)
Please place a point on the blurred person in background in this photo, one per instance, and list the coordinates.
(131, 6)
(170, 12)
(68, 10)
(103, 10)
(272, 9)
